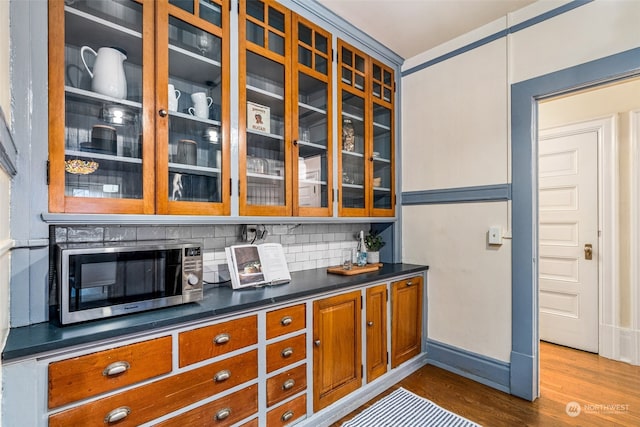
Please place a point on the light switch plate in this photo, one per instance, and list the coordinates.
(495, 235)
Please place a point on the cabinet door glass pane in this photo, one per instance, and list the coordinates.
(194, 94)
(103, 99)
(353, 161)
(312, 142)
(211, 12)
(265, 165)
(382, 157)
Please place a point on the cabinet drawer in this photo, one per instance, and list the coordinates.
(92, 374)
(221, 412)
(211, 341)
(285, 320)
(160, 397)
(287, 413)
(286, 384)
(285, 352)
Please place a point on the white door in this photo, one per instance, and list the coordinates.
(568, 215)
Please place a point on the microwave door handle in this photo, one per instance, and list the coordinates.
(177, 281)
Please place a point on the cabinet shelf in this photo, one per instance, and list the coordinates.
(98, 98)
(381, 160)
(193, 170)
(311, 108)
(352, 153)
(192, 66)
(353, 186)
(353, 116)
(384, 189)
(265, 177)
(381, 126)
(194, 118)
(100, 156)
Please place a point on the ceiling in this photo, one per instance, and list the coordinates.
(409, 27)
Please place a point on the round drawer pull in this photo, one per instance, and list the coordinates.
(116, 368)
(317, 343)
(223, 413)
(288, 384)
(222, 376)
(287, 352)
(287, 416)
(117, 414)
(286, 321)
(369, 323)
(222, 338)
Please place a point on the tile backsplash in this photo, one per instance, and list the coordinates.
(306, 246)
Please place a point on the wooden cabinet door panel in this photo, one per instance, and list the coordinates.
(221, 412)
(211, 341)
(160, 397)
(406, 333)
(337, 366)
(285, 352)
(376, 327)
(92, 374)
(286, 320)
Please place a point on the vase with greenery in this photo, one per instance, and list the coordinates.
(373, 241)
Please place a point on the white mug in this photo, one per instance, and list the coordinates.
(201, 104)
(174, 95)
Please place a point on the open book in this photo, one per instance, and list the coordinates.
(253, 265)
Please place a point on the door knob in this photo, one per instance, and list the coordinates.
(588, 251)
(317, 343)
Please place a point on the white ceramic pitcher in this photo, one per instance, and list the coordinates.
(201, 104)
(107, 76)
(174, 96)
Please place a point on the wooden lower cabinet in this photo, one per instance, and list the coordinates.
(406, 320)
(376, 331)
(337, 362)
(286, 384)
(91, 374)
(288, 413)
(144, 403)
(221, 412)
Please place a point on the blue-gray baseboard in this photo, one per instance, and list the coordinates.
(485, 370)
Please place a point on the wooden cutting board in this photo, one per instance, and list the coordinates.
(354, 270)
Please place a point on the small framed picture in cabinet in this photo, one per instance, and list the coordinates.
(258, 117)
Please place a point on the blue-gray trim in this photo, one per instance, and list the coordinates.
(8, 150)
(493, 37)
(485, 370)
(480, 193)
(524, 122)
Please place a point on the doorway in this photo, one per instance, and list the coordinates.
(524, 369)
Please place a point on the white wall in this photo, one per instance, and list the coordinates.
(455, 133)
(5, 186)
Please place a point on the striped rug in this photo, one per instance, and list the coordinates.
(405, 409)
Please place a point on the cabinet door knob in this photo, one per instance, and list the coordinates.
(287, 352)
(288, 384)
(369, 323)
(371, 159)
(163, 113)
(317, 343)
(223, 413)
(286, 320)
(222, 376)
(222, 338)
(117, 414)
(409, 283)
(295, 142)
(287, 416)
(116, 368)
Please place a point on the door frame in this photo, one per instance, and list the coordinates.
(608, 226)
(524, 372)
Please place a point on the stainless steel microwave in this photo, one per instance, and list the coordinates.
(99, 280)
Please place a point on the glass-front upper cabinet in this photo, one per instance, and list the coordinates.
(312, 106)
(366, 113)
(192, 94)
(285, 113)
(118, 143)
(100, 122)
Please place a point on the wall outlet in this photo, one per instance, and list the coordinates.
(495, 235)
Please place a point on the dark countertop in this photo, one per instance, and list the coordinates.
(29, 341)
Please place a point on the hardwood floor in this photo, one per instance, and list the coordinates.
(608, 393)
